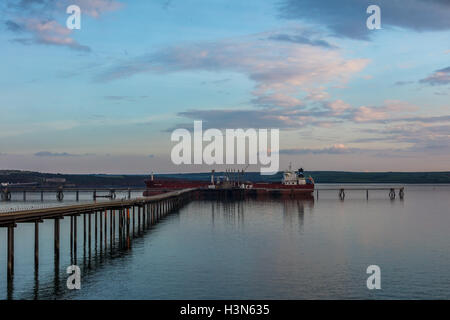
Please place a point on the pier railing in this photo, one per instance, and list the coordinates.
(111, 193)
(60, 192)
(341, 191)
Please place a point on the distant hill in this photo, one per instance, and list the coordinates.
(341, 177)
(87, 180)
(380, 177)
(81, 180)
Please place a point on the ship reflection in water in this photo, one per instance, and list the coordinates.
(233, 210)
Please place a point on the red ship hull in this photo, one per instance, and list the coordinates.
(281, 186)
(161, 186)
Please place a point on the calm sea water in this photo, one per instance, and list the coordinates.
(256, 249)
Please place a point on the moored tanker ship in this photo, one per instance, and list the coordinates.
(292, 182)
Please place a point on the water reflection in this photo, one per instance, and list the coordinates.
(116, 235)
(233, 210)
(296, 208)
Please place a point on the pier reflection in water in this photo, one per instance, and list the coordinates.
(148, 210)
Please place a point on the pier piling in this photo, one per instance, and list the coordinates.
(84, 232)
(139, 219)
(36, 244)
(106, 228)
(75, 239)
(95, 229)
(111, 228)
(71, 237)
(10, 268)
(401, 193)
(392, 194)
(143, 217)
(101, 229)
(89, 233)
(56, 238)
(133, 218)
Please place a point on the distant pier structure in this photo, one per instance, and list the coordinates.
(111, 193)
(392, 191)
(59, 192)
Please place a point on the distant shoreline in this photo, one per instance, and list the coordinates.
(125, 180)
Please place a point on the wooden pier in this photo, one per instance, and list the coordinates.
(99, 222)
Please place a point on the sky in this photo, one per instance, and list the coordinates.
(105, 98)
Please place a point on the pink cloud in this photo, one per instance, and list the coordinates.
(318, 94)
(52, 33)
(439, 77)
(364, 114)
(281, 71)
(338, 106)
(338, 148)
(391, 109)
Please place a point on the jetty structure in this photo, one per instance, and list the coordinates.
(292, 183)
